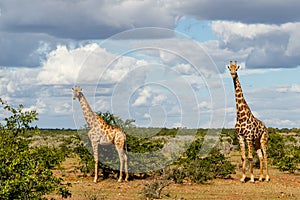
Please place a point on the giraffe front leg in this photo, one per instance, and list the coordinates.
(243, 154)
(250, 159)
(95, 149)
(96, 171)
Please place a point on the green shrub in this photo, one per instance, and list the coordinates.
(284, 152)
(24, 172)
(197, 169)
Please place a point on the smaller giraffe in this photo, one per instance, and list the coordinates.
(102, 133)
(250, 129)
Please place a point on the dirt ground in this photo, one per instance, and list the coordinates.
(282, 186)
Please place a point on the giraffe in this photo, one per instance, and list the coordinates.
(250, 129)
(102, 133)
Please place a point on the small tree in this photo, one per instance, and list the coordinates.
(284, 152)
(116, 120)
(19, 121)
(24, 173)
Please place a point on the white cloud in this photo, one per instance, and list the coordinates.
(205, 105)
(15, 81)
(101, 105)
(63, 108)
(87, 64)
(268, 46)
(147, 115)
(143, 97)
(65, 66)
(281, 122)
(185, 69)
(158, 99)
(227, 30)
(290, 88)
(39, 107)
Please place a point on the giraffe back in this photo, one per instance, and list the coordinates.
(112, 133)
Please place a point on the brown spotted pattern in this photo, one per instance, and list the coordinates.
(249, 129)
(103, 134)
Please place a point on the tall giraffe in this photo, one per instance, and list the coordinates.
(102, 133)
(250, 129)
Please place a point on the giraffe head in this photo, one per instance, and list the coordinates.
(76, 92)
(233, 67)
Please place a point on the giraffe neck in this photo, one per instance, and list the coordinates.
(87, 111)
(241, 104)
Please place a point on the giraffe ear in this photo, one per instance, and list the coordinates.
(228, 67)
(238, 67)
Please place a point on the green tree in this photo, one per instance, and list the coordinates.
(116, 120)
(24, 173)
(19, 120)
(284, 152)
(200, 169)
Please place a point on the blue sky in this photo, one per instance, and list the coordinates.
(162, 63)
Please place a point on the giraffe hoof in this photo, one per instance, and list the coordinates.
(120, 181)
(252, 181)
(242, 181)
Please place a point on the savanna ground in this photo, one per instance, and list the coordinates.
(283, 185)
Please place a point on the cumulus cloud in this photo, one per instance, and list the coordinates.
(281, 122)
(247, 12)
(39, 107)
(23, 40)
(85, 19)
(290, 88)
(157, 99)
(143, 97)
(268, 46)
(205, 105)
(85, 64)
(98, 19)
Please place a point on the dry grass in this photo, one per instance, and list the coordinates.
(282, 185)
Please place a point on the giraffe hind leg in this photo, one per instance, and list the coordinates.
(126, 166)
(260, 156)
(265, 157)
(122, 159)
(258, 148)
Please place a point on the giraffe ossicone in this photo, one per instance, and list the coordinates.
(101, 133)
(249, 129)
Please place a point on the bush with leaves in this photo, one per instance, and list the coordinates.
(284, 152)
(116, 120)
(24, 174)
(200, 169)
